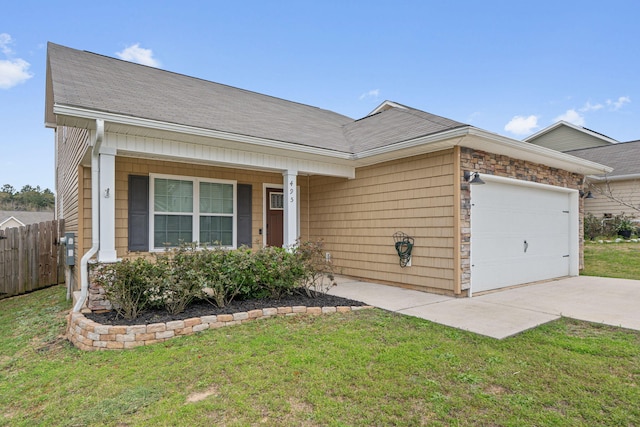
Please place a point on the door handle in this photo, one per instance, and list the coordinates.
(526, 246)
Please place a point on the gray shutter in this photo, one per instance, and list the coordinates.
(244, 214)
(138, 213)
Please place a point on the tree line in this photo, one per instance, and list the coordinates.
(27, 199)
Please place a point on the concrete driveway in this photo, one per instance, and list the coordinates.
(507, 312)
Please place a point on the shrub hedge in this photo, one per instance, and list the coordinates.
(176, 278)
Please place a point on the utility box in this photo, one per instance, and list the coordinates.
(70, 250)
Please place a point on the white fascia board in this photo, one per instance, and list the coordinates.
(382, 106)
(172, 127)
(12, 218)
(492, 143)
(535, 153)
(572, 126)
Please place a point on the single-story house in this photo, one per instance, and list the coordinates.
(147, 157)
(616, 192)
(11, 219)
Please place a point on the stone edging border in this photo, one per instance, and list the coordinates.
(88, 335)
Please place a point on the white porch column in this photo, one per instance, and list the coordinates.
(107, 195)
(290, 190)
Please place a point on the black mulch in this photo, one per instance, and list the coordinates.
(204, 308)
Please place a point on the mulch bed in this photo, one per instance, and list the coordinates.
(204, 308)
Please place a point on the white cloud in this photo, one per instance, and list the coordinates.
(571, 116)
(12, 71)
(139, 55)
(591, 107)
(5, 41)
(521, 125)
(616, 105)
(374, 93)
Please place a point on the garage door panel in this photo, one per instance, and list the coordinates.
(504, 217)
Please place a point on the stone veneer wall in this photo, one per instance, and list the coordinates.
(499, 165)
(88, 335)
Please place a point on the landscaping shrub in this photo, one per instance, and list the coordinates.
(182, 275)
(592, 226)
(127, 283)
(318, 274)
(277, 272)
(183, 279)
(227, 274)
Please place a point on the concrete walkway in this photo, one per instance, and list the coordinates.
(507, 312)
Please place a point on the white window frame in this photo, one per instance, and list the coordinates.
(195, 214)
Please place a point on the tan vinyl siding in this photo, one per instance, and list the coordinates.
(129, 166)
(71, 146)
(565, 138)
(627, 191)
(357, 219)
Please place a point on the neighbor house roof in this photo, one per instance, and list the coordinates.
(561, 123)
(622, 157)
(84, 86)
(25, 217)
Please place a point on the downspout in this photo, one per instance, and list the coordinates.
(95, 216)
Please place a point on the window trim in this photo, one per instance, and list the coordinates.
(271, 207)
(195, 214)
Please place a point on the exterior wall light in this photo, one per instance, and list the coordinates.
(473, 177)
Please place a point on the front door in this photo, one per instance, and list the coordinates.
(275, 218)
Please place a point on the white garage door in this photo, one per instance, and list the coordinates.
(520, 234)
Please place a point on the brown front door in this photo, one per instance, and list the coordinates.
(275, 209)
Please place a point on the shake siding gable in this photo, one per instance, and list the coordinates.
(357, 219)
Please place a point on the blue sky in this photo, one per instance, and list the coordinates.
(509, 67)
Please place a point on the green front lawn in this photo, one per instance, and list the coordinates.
(364, 368)
(620, 260)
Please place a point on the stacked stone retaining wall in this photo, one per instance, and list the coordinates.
(88, 335)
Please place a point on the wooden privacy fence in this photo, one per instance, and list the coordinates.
(31, 257)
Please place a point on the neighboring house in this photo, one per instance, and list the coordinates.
(615, 193)
(10, 219)
(164, 157)
(564, 136)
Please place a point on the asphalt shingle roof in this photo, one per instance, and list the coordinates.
(27, 217)
(622, 157)
(100, 83)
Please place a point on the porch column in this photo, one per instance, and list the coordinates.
(290, 190)
(107, 201)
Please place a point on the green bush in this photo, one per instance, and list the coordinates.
(227, 274)
(127, 285)
(185, 274)
(592, 226)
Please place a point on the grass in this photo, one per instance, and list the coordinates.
(621, 260)
(366, 368)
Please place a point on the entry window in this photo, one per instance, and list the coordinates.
(192, 209)
(276, 201)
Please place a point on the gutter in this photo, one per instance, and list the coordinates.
(95, 216)
(614, 178)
